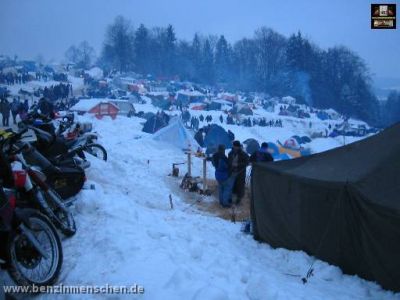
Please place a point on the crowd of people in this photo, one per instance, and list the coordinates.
(15, 108)
(250, 122)
(58, 91)
(11, 78)
(230, 171)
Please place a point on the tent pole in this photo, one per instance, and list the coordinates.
(204, 174)
(189, 163)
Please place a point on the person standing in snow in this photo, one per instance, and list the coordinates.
(223, 176)
(238, 161)
(14, 110)
(221, 119)
(5, 111)
(261, 155)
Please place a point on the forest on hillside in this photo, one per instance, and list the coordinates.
(267, 62)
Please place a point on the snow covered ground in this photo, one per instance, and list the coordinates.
(127, 233)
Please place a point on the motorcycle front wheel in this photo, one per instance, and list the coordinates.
(97, 151)
(27, 266)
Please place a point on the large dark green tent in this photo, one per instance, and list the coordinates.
(342, 206)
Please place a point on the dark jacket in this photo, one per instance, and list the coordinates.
(243, 161)
(5, 108)
(261, 156)
(221, 164)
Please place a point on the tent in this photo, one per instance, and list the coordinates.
(273, 149)
(214, 106)
(341, 206)
(245, 110)
(98, 106)
(154, 124)
(297, 138)
(292, 143)
(176, 134)
(198, 107)
(216, 135)
(283, 156)
(305, 139)
(322, 115)
(251, 146)
(148, 115)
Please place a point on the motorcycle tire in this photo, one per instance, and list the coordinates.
(97, 151)
(22, 254)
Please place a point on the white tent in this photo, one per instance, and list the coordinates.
(176, 134)
(96, 73)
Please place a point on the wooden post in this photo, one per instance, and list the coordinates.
(204, 174)
(189, 154)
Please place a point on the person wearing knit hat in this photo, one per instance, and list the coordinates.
(238, 161)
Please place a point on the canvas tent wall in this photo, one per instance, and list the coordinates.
(216, 135)
(176, 134)
(153, 124)
(251, 146)
(342, 206)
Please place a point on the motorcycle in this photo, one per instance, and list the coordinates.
(60, 145)
(35, 192)
(30, 248)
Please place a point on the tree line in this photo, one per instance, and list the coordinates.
(266, 62)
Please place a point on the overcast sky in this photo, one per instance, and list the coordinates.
(49, 27)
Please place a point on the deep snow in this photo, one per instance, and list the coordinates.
(128, 234)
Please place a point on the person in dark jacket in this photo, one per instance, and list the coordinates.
(261, 155)
(5, 111)
(46, 108)
(238, 161)
(14, 110)
(223, 176)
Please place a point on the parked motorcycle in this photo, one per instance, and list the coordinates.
(62, 144)
(30, 248)
(35, 191)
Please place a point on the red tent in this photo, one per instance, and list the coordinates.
(104, 109)
(198, 107)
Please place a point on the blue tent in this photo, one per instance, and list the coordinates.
(323, 115)
(305, 139)
(283, 156)
(273, 148)
(154, 124)
(305, 152)
(251, 146)
(216, 135)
